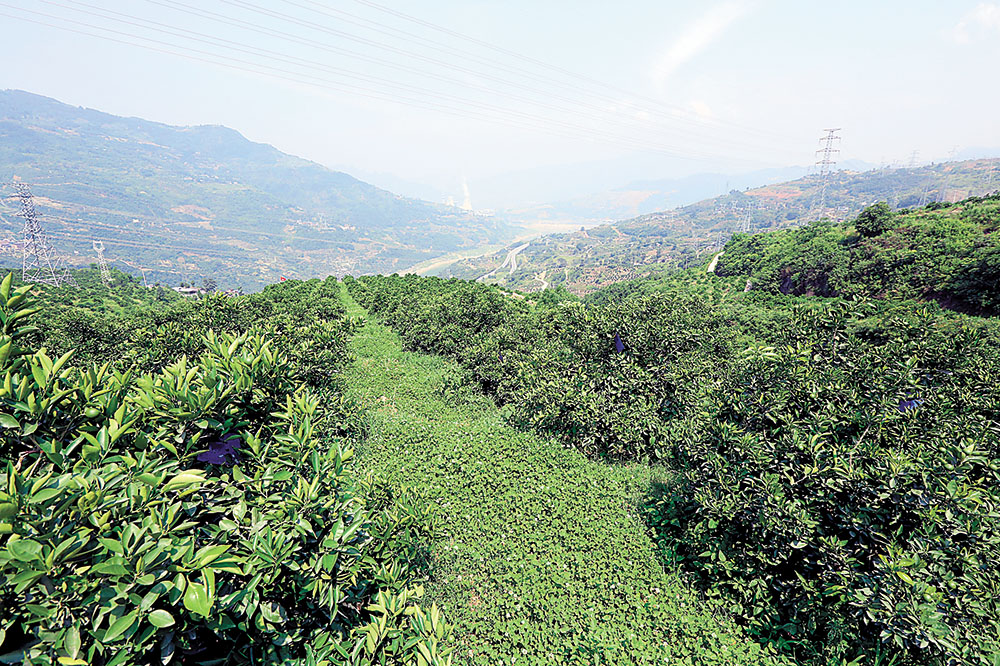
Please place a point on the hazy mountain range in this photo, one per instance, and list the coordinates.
(186, 202)
(590, 258)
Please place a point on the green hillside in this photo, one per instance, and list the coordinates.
(945, 252)
(589, 259)
(192, 202)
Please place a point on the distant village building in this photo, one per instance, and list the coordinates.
(189, 292)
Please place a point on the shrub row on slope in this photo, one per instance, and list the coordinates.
(205, 512)
(944, 252)
(540, 556)
(837, 462)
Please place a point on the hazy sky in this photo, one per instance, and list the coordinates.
(440, 90)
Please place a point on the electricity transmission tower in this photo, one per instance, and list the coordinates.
(826, 163)
(103, 263)
(923, 197)
(748, 217)
(946, 188)
(913, 158)
(39, 264)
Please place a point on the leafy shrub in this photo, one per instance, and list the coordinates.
(556, 368)
(873, 220)
(943, 252)
(305, 318)
(130, 534)
(843, 496)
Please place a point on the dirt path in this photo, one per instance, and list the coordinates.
(715, 261)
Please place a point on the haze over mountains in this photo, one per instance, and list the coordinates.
(186, 202)
(644, 196)
(589, 258)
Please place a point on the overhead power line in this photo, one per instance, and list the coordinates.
(596, 113)
(519, 119)
(696, 122)
(236, 232)
(415, 95)
(554, 68)
(564, 78)
(151, 246)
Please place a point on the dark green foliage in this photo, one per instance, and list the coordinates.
(439, 316)
(126, 295)
(836, 462)
(554, 367)
(873, 220)
(118, 545)
(841, 488)
(944, 252)
(977, 283)
(305, 318)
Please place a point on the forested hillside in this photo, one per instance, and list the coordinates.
(944, 252)
(190, 202)
(588, 259)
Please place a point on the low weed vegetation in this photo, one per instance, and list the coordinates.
(540, 556)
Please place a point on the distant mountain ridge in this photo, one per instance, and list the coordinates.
(589, 259)
(641, 197)
(191, 202)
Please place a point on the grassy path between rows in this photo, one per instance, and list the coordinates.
(539, 555)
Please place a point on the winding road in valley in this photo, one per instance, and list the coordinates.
(511, 259)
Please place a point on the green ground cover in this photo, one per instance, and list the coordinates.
(540, 555)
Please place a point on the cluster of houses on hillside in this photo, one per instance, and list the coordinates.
(198, 292)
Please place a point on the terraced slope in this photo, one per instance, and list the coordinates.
(187, 203)
(585, 260)
(540, 555)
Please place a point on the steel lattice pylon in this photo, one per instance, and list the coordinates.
(39, 264)
(103, 263)
(826, 163)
